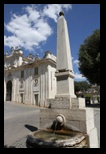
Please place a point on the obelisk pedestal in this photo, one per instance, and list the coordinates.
(65, 84)
(65, 75)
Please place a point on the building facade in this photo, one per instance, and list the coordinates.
(29, 80)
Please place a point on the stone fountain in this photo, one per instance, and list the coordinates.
(57, 135)
(66, 123)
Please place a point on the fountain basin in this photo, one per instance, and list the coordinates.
(48, 138)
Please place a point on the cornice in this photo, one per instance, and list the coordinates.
(32, 64)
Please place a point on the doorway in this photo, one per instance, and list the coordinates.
(36, 99)
(22, 98)
(9, 91)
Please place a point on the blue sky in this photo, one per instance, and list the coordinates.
(33, 27)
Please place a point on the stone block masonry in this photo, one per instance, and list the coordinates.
(66, 103)
(75, 117)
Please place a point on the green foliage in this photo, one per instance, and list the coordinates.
(81, 86)
(88, 95)
(89, 58)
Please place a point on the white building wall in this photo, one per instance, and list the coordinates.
(47, 83)
(17, 96)
(46, 87)
(31, 85)
(51, 81)
(43, 84)
(27, 83)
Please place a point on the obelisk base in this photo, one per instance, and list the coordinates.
(65, 84)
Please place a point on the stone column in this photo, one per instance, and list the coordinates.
(65, 75)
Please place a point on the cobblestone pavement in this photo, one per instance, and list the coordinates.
(20, 143)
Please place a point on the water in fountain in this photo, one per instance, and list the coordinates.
(56, 136)
(55, 126)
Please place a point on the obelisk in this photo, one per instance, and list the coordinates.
(64, 74)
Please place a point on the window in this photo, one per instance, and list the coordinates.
(36, 71)
(22, 74)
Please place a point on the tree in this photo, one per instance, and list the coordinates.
(81, 86)
(89, 58)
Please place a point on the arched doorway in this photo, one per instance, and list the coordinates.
(9, 91)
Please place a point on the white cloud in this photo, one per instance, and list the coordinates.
(10, 40)
(52, 10)
(76, 62)
(33, 13)
(27, 30)
(79, 76)
(31, 28)
(66, 6)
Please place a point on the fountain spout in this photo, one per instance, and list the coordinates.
(58, 123)
(61, 119)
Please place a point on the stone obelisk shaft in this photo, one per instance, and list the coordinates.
(64, 60)
(64, 74)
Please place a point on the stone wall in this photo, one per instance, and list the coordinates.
(74, 117)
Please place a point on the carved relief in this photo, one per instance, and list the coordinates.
(9, 75)
(35, 83)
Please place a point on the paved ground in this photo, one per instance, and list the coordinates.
(20, 120)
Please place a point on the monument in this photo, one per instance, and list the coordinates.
(66, 107)
(65, 75)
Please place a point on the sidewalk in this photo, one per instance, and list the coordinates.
(22, 104)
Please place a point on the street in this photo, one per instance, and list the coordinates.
(19, 121)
